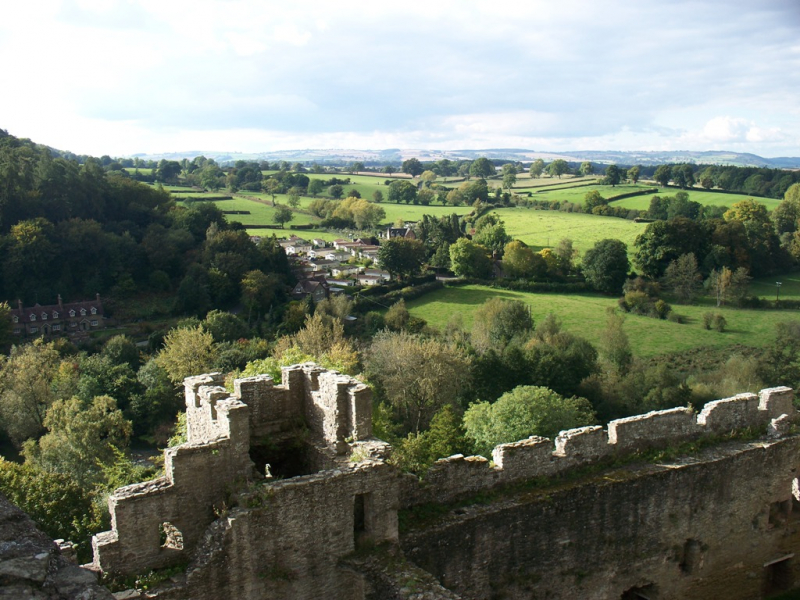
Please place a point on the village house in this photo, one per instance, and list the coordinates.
(74, 318)
(345, 270)
(317, 287)
(400, 232)
(384, 275)
(369, 280)
(341, 256)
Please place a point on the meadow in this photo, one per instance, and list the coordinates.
(585, 315)
(704, 197)
(544, 228)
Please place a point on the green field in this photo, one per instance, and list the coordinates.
(260, 214)
(585, 315)
(705, 198)
(765, 287)
(544, 228)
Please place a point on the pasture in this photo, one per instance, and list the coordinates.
(765, 287)
(544, 228)
(704, 197)
(585, 315)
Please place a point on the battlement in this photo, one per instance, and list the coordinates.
(158, 523)
(535, 457)
(204, 507)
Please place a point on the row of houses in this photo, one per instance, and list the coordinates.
(75, 319)
(324, 269)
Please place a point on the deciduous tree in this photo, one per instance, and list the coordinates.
(683, 277)
(282, 215)
(537, 168)
(416, 375)
(402, 257)
(521, 413)
(606, 266)
(413, 167)
(468, 259)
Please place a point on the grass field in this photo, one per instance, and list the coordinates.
(585, 315)
(766, 288)
(260, 214)
(544, 228)
(705, 198)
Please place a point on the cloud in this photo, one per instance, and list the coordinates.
(458, 72)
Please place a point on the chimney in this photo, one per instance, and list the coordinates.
(19, 304)
(60, 304)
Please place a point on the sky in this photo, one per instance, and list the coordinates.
(121, 77)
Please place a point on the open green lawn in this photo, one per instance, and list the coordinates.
(544, 228)
(585, 315)
(765, 287)
(704, 197)
(528, 183)
(260, 214)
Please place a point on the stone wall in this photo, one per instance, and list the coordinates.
(248, 537)
(159, 523)
(286, 538)
(456, 476)
(32, 566)
(717, 525)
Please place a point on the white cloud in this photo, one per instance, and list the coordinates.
(457, 72)
(726, 129)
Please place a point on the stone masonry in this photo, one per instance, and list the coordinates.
(246, 534)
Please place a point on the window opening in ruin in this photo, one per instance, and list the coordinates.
(692, 556)
(778, 576)
(171, 537)
(646, 592)
(360, 507)
(779, 512)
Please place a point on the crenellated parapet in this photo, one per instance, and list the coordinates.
(158, 523)
(536, 456)
(285, 537)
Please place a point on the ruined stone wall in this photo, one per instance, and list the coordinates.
(32, 566)
(160, 523)
(253, 538)
(456, 476)
(712, 526)
(286, 538)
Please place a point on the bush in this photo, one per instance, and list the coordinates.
(714, 321)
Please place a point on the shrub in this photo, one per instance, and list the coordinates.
(720, 323)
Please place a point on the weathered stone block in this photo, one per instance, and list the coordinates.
(653, 429)
(729, 414)
(524, 459)
(777, 401)
(583, 443)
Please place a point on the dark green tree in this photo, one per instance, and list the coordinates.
(402, 257)
(606, 266)
(413, 167)
(663, 175)
(482, 167)
(613, 175)
(402, 191)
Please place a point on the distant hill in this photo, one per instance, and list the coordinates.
(395, 155)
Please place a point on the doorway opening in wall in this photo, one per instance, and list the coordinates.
(645, 592)
(360, 530)
(778, 575)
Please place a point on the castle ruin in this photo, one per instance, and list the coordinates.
(282, 492)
